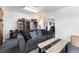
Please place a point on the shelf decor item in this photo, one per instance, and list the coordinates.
(13, 34)
(23, 24)
(27, 25)
(34, 24)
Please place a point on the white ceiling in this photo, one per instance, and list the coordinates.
(49, 8)
(46, 9)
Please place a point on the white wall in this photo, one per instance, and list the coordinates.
(10, 21)
(66, 21)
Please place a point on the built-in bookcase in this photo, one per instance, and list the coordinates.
(26, 25)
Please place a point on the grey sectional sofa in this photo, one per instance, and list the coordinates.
(36, 37)
(25, 44)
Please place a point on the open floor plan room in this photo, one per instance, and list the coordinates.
(39, 29)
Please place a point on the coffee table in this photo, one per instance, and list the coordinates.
(53, 45)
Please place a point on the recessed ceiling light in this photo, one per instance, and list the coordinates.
(32, 9)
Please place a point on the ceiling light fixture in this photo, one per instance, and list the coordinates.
(32, 9)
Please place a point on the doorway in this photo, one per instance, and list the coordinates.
(1, 26)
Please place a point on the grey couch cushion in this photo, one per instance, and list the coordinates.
(48, 36)
(30, 45)
(21, 42)
(39, 33)
(33, 34)
(41, 39)
(8, 45)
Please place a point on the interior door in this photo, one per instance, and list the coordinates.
(1, 26)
